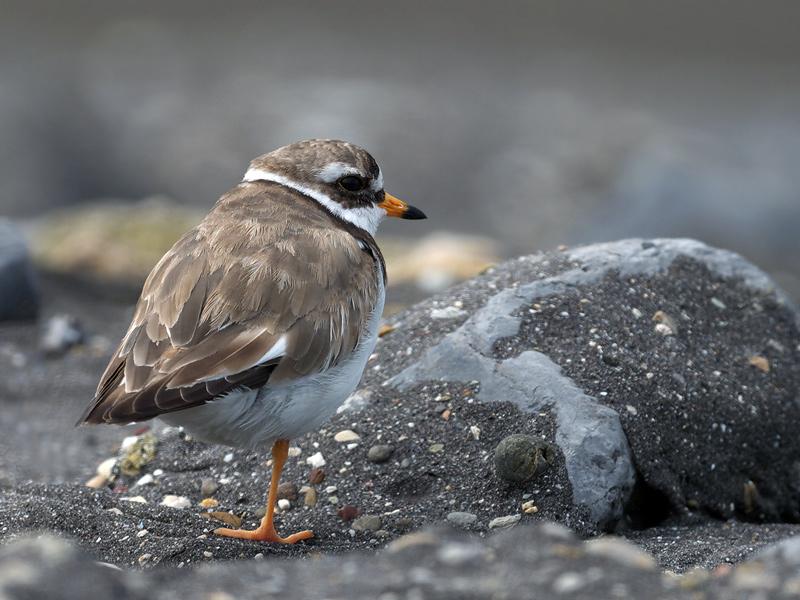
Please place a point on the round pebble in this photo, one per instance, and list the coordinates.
(287, 491)
(316, 476)
(521, 457)
(208, 487)
(462, 519)
(367, 523)
(347, 435)
(176, 501)
(347, 513)
(380, 453)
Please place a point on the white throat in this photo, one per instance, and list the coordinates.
(366, 218)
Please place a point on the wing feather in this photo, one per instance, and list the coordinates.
(268, 287)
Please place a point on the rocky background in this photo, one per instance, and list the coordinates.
(615, 419)
(532, 123)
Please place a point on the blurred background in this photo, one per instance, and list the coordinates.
(516, 126)
(528, 124)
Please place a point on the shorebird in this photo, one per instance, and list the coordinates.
(258, 323)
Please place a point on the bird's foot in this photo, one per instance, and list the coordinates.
(264, 534)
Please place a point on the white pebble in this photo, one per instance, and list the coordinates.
(294, 451)
(141, 533)
(138, 499)
(176, 501)
(158, 472)
(106, 468)
(284, 504)
(316, 460)
(331, 489)
(128, 442)
(664, 329)
(475, 432)
(228, 457)
(145, 480)
(346, 435)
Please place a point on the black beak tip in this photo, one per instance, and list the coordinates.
(412, 212)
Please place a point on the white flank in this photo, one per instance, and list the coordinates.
(366, 218)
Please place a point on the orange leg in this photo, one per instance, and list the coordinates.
(266, 531)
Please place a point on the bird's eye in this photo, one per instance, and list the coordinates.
(352, 183)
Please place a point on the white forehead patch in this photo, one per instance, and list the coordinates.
(365, 217)
(336, 170)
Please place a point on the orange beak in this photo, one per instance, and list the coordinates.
(395, 207)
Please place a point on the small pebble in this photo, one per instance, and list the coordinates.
(347, 513)
(519, 457)
(226, 517)
(316, 476)
(145, 480)
(114, 510)
(462, 519)
(316, 460)
(144, 559)
(331, 489)
(287, 490)
(760, 363)
(141, 533)
(718, 303)
(403, 523)
(621, 551)
(294, 451)
(380, 453)
(284, 504)
(62, 332)
(310, 498)
(138, 499)
(436, 448)
(504, 522)
(176, 501)
(209, 503)
(529, 507)
(475, 432)
(228, 457)
(367, 523)
(208, 554)
(208, 487)
(346, 435)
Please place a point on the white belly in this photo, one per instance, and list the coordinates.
(256, 418)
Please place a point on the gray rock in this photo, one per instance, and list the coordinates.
(19, 297)
(46, 567)
(367, 523)
(504, 522)
(208, 487)
(571, 335)
(462, 519)
(380, 453)
(519, 458)
(61, 332)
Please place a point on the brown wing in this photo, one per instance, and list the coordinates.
(268, 287)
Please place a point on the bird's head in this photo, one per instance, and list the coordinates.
(340, 176)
